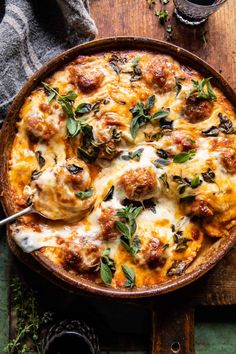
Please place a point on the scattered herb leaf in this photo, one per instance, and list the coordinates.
(130, 276)
(209, 176)
(184, 156)
(84, 194)
(74, 169)
(40, 158)
(107, 267)
(162, 16)
(133, 155)
(204, 89)
(109, 194)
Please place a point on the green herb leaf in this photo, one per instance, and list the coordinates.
(133, 155)
(83, 108)
(184, 156)
(84, 194)
(107, 267)
(130, 276)
(160, 114)
(137, 74)
(164, 179)
(122, 228)
(159, 163)
(70, 96)
(226, 125)
(162, 16)
(50, 91)
(196, 182)
(204, 89)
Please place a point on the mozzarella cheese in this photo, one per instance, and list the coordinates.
(81, 220)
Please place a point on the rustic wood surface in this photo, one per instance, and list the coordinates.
(215, 42)
(134, 18)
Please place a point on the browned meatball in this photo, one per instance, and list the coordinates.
(160, 74)
(199, 208)
(139, 184)
(79, 260)
(152, 254)
(40, 127)
(87, 80)
(184, 141)
(107, 222)
(197, 109)
(228, 160)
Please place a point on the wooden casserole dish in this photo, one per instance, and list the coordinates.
(212, 252)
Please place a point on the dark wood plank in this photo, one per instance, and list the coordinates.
(134, 18)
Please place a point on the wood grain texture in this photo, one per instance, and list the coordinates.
(134, 18)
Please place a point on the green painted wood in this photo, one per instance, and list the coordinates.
(4, 260)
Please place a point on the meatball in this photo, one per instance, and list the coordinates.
(199, 208)
(197, 109)
(228, 159)
(81, 259)
(87, 80)
(41, 127)
(160, 74)
(107, 221)
(139, 184)
(152, 254)
(185, 142)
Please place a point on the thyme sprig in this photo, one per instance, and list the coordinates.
(28, 320)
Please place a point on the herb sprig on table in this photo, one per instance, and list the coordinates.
(27, 317)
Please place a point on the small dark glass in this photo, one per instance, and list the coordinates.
(195, 12)
(70, 337)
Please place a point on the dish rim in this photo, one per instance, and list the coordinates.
(98, 46)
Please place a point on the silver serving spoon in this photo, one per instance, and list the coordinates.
(30, 209)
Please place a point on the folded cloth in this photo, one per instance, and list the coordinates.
(31, 33)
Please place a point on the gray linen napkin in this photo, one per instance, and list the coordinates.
(31, 33)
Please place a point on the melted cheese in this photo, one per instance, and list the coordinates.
(42, 127)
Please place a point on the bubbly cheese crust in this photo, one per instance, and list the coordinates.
(180, 168)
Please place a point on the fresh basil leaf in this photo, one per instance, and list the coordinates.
(196, 182)
(74, 169)
(50, 91)
(160, 114)
(130, 276)
(84, 194)
(40, 158)
(105, 273)
(212, 131)
(150, 103)
(184, 156)
(209, 176)
(122, 228)
(83, 108)
(204, 89)
(70, 96)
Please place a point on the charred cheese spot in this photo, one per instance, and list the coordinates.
(228, 159)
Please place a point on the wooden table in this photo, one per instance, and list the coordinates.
(215, 42)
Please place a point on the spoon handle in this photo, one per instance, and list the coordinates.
(17, 215)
